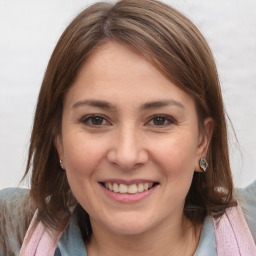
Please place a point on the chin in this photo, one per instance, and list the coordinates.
(130, 225)
(130, 230)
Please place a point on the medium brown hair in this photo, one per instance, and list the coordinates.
(174, 45)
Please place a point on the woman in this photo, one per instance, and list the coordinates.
(125, 150)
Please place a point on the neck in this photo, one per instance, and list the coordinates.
(180, 238)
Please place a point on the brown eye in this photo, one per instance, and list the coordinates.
(160, 120)
(97, 120)
(94, 120)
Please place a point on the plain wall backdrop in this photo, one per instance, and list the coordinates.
(29, 30)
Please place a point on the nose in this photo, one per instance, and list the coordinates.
(127, 150)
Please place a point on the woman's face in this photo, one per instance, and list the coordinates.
(129, 143)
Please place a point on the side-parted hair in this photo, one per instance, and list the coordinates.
(174, 45)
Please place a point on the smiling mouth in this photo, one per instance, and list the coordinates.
(129, 189)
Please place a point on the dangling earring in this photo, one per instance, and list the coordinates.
(203, 164)
(61, 165)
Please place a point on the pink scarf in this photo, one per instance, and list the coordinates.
(39, 240)
(233, 237)
(232, 234)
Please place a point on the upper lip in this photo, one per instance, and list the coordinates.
(127, 182)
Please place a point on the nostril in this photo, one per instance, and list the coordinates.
(126, 162)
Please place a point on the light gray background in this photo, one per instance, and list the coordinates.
(29, 30)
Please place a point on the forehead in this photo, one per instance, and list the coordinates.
(113, 69)
(112, 59)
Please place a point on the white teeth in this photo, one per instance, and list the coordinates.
(130, 189)
(146, 185)
(123, 188)
(115, 187)
(140, 187)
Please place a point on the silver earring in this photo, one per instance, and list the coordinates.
(61, 164)
(203, 164)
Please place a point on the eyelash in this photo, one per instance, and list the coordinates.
(88, 120)
(165, 117)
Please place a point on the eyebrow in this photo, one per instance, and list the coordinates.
(148, 105)
(94, 103)
(161, 103)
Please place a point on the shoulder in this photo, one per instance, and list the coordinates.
(15, 215)
(248, 193)
(247, 200)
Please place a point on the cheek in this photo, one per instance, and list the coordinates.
(177, 156)
(82, 155)
(178, 168)
(176, 161)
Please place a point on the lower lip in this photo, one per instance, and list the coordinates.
(128, 198)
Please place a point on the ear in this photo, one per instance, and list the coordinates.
(59, 146)
(204, 140)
